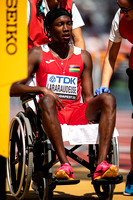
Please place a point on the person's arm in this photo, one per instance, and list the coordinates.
(19, 88)
(109, 63)
(115, 39)
(78, 39)
(78, 23)
(114, 43)
(87, 83)
(28, 11)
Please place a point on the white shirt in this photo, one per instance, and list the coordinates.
(115, 35)
(76, 17)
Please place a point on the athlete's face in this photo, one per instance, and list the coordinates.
(61, 29)
(53, 3)
(126, 8)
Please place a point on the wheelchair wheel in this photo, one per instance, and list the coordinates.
(19, 164)
(43, 189)
(46, 181)
(114, 159)
(106, 191)
(115, 156)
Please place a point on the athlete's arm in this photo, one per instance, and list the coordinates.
(109, 62)
(19, 88)
(87, 84)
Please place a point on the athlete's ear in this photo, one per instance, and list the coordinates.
(48, 31)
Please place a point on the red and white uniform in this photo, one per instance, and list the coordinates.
(63, 77)
(122, 28)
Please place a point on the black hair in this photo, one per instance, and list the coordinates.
(54, 14)
(131, 1)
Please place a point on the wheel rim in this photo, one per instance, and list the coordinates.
(106, 191)
(14, 160)
(25, 161)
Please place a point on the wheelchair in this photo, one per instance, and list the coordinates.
(31, 157)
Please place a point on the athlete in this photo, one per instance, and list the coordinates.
(37, 10)
(122, 27)
(61, 70)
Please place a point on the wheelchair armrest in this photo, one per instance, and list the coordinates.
(27, 97)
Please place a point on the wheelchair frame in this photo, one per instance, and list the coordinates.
(29, 146)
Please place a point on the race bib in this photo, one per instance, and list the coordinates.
(64, 86)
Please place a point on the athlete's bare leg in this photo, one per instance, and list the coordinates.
(52, 126)
(103, 107)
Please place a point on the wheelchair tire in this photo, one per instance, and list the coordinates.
(106, 191)
(46, 183)
(109, 189)
(43, 189)
(19, 164)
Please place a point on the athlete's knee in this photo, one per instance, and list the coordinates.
(108, 100)
(47, 103)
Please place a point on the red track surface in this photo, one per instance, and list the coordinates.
(124, 125)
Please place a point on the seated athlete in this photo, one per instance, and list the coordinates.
(63, 73)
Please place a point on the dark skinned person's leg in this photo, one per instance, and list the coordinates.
(103, 109)
(47, 105)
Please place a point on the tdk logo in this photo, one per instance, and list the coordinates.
(66, 80)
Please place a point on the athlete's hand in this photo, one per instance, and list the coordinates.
(102, 90)
(59, 103)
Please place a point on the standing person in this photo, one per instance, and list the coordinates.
(61, 70)
(122, 27)
(37, 10)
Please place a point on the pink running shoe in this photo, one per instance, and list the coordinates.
(65, 171)
(105, 170)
